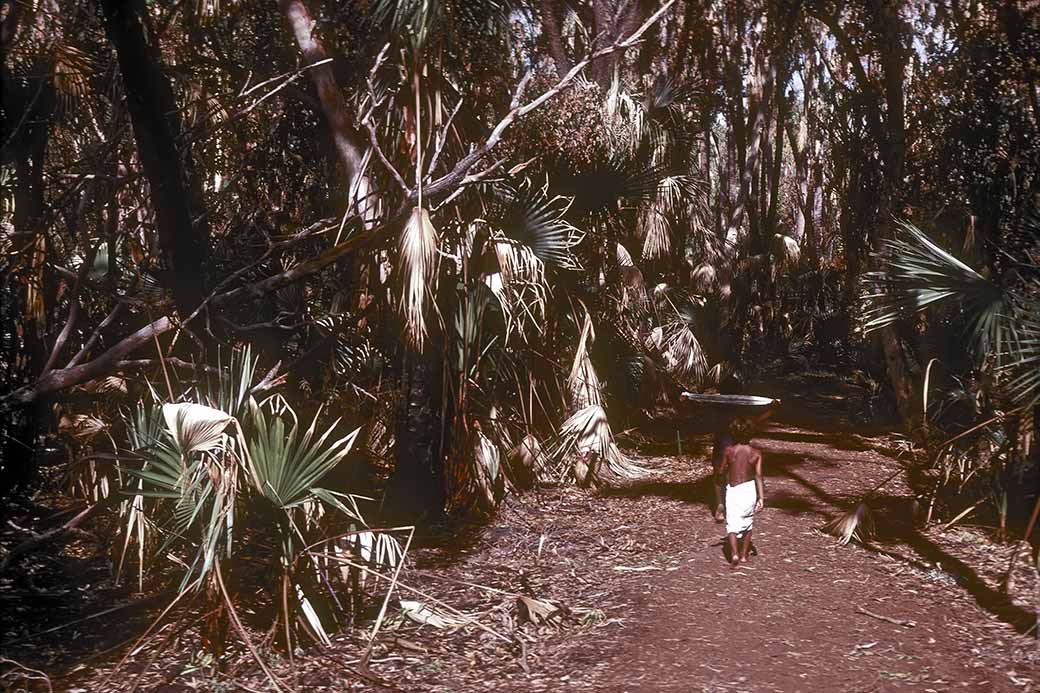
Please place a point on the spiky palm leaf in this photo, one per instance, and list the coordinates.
(915, 273)
(1024, 364)
(287, 466)
(602, 188)
(533, 218)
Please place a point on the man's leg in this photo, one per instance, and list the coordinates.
(745, 544)
(734, 557)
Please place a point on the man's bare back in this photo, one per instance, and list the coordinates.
(739, 463)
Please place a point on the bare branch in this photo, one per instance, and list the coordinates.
(82, 353)
(56, 380)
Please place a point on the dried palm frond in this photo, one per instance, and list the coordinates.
(487, 472)
(583, 382)
(195, 427)
(523, 290)
(587, 432)
(657, 239)
(682, 353)
(855, 524)
(83, 426)
(427, 615)
(704, 278)
(656, 220)
(418, 253)
(787, 252)
(624, 258)
(525, 461)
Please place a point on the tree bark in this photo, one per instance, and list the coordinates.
(416, 490)
(777, 164)
(754, 148)
(333, 105)
(28, 106)
(552, 25)
(176, 190)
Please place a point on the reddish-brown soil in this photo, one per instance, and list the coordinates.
(650, 605)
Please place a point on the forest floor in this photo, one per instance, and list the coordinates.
(647, 603)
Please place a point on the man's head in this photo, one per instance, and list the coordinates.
(741, 430)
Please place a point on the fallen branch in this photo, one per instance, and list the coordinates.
(887, 619)
(38, 541)
(56, 380)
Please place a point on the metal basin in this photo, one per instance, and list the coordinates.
(730, 405)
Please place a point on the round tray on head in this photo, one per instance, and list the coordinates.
(731, 404)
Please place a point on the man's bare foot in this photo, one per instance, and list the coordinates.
(734, 562)
(743, 559)
(720, 514)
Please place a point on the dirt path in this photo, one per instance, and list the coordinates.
(648, 603)
(807, 614)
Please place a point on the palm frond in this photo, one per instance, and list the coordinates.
(418, 257)
(522, 290)
(914, 273)
(420, 21)
(587, 431)
(583, 382)
(195, 427)
(624, 258)
(855, 524)
(1024, 363)
(603, 188)
(787, 252)
(286, 465)
(704, 278)
(533, 218)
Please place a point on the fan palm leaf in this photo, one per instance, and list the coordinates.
(1024, 388)
(195, 427)
(287, 465)
(914, 273)
(533, 218)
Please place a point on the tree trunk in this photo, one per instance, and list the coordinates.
(894, 57)
(750, 168)
(29, 107)
(416, 490)
(333, 105)
(552, 25)
(777, 165)
(176, 190)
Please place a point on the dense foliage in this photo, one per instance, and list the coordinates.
(485, 235)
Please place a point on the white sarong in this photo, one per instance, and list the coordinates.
(740, 507)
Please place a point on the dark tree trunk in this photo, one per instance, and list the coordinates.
(417, 486)
(552, 25)
(176, 190)
(894, 57)
(777, 164)
(28, 106)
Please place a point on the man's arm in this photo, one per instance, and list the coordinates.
(758, 483)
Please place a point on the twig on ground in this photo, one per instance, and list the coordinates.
(887, 619)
